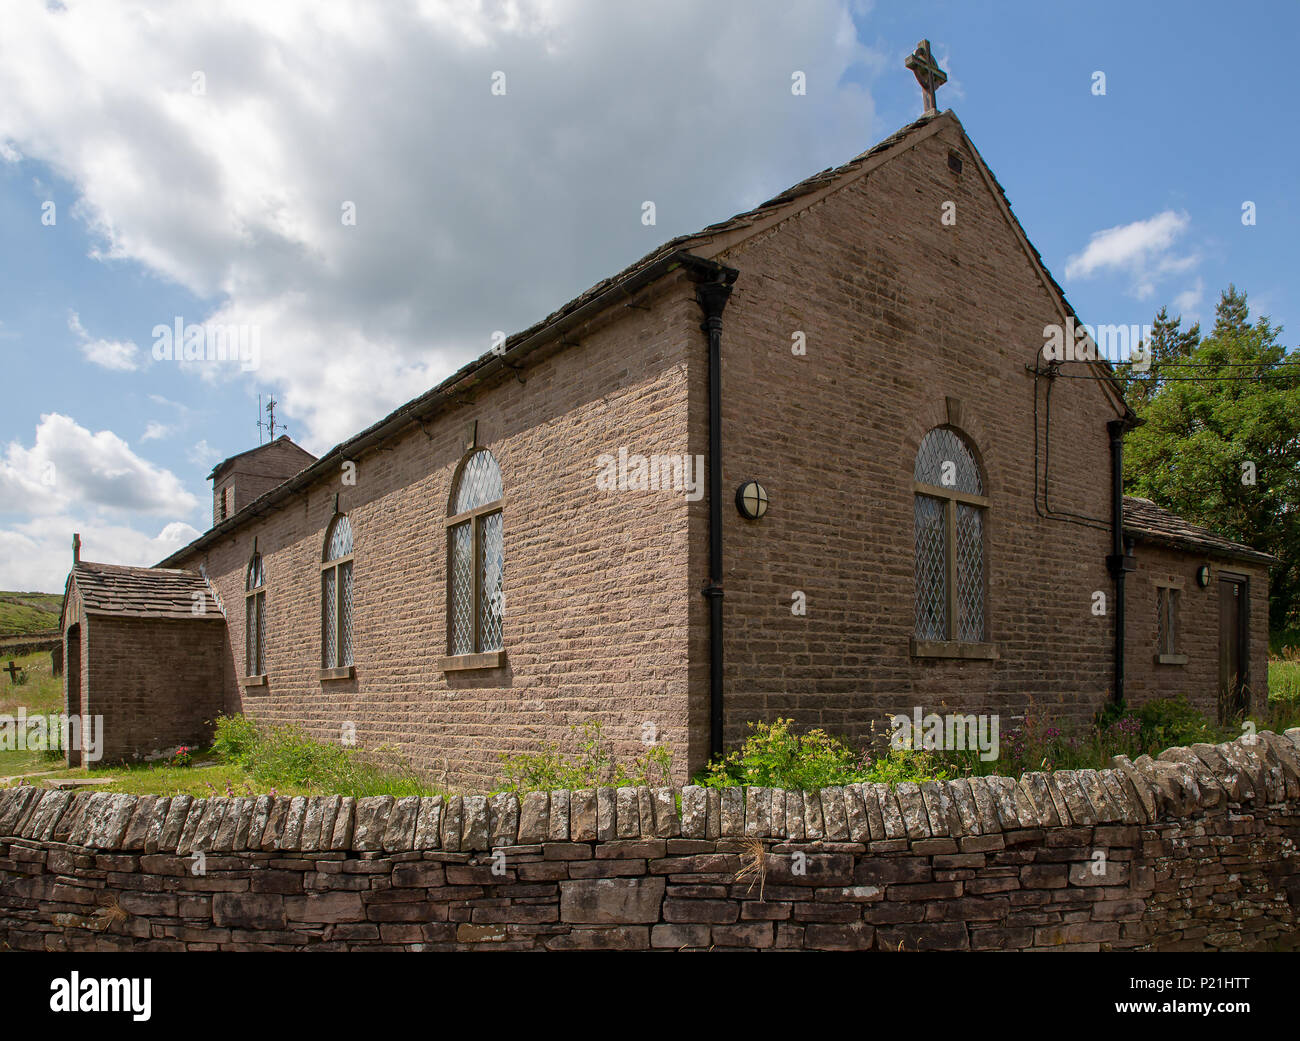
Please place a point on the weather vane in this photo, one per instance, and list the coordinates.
(270, 424)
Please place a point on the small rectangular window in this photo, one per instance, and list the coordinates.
(1167, 605)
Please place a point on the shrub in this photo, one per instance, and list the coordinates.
(235, 739)
(1035, 743)
(908, 764)
(1285, 643)
(287, 757)
(590, 766)
(1168, 722)
(773, 756)
(1040, 743)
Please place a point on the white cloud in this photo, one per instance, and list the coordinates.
(37, 555)
(68, 467)
(1144, 250)
(202, 454)
(1188, 302)
(118, 355)
(156, 431)
(236, 193)
(71, 480)
(953, 89)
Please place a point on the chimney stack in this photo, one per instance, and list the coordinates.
(76, 548)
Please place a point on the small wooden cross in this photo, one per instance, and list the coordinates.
(13, 671)
(927, 73)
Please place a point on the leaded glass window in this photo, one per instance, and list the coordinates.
(336, 595)
(255, 618)
(476, 558)
(948, 516)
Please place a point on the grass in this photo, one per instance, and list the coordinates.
(1284, 694)
(201, 780)
(285, 757)
(42, 693)
(250, 760)
(1284, 683)
(246, 759)
(29, 612)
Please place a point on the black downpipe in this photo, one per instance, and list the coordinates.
(1119, 562)
(712, 297)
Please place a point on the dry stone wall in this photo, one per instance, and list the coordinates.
(1196, 849)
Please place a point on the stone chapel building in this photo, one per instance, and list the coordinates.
(808, 462)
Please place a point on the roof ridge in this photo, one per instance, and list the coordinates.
(257, 448)
(93, 564)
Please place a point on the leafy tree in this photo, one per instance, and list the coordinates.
(1210, 408)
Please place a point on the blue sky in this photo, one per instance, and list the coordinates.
(198, 164)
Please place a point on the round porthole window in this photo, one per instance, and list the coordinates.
(751, 500)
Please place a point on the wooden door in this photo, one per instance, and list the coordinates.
(1234, 659)
(73, 700)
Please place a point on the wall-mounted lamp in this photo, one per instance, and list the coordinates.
(751, 500)
(1203, 575)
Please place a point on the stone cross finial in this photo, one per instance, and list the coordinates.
(76, 548)
(927, 73)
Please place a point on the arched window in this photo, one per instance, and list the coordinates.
(336, 595)
(949, 513)
(475, 558)
(255, 617)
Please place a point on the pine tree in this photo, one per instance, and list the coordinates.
(1167, 343)
(1231, 315)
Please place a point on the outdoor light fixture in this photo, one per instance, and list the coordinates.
(751, 500)
(1203, 575)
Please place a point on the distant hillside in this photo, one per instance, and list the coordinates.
(29, 612)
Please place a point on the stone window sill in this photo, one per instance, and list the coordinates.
(254, 681)
(1171, 659)
(347, 672)
(464, 662)
(960, 649)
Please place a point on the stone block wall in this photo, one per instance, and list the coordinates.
(1195, 850)
(597, 591)
(254, 473)
(911, 324)
(1198, 629)
(157, 682)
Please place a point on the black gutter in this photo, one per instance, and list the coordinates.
(433, 401)
(1120, 560)
(712, 296)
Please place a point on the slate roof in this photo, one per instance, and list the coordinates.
(673, 253)
(257, 448)
(142, 592)
(1146, 521)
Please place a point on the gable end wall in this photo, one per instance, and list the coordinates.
(901, 312)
